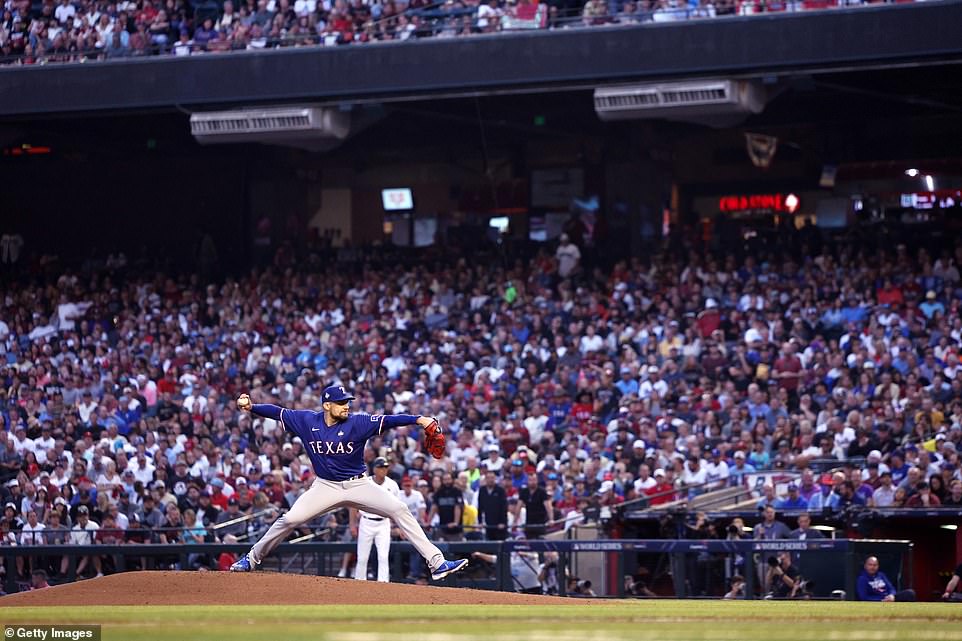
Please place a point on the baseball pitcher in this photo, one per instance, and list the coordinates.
(335, 440)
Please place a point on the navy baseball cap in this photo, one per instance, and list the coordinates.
(381, 462)
(336, 394)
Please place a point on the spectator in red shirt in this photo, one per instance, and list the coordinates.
(923, 497)
(217, 496)
(341, 23)
(168, 384)
(243, 494)
(709, 319)
(583, 411)
(889, 294)
(788, 368)
(514, 437)
(660, 492)
(568, 502)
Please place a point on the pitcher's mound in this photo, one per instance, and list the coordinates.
(258, 588)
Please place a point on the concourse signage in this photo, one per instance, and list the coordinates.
(748, 204)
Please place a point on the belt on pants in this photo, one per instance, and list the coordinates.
(354, 478)
(373, 518)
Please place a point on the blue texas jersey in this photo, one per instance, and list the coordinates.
(337, 452)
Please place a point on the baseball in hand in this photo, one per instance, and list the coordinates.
(244, 403)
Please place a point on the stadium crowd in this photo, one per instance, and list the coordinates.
(568, 389)
(51, 31)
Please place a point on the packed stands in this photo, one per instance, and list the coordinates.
(647, 381)
(50, 31)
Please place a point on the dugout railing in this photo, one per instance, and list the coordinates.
(833, 564)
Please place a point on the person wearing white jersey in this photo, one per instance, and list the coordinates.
(376, 529)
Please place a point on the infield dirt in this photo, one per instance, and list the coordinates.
(259, 588)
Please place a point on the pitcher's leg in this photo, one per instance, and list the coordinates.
(382, 541)
(320, 498)
(376, 500)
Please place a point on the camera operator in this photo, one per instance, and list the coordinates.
(783, 578)
(637, 585)
(735, 564)
(549, 575)
(735, 530)
(702, 528)
(579, 588)
(738, 588)
(699, 566)
(524, 570)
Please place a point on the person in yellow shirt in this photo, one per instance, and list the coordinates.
(469, 520)
(936, 417)
(669, 339)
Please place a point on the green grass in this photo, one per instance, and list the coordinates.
(598, 621)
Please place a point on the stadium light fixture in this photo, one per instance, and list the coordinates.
(911, 173)
(950, 526)
(929, 183)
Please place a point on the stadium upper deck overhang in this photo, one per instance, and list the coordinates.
(861, 37)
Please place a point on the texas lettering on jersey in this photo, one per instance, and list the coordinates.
(337, 451)
(330, 448)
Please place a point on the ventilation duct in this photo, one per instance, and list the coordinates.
(709, 101)
(306, 127)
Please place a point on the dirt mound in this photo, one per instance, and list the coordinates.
(257, 588)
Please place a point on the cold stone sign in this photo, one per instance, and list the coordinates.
(759, 204)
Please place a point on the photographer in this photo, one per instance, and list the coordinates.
(579, 588)
(737, 588)
(735, 564)
(524, 570)
(783, 578)
(549, 574)
(735, 530)
(637, 585)
(700, 565)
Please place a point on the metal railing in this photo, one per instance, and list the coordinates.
(620, 558)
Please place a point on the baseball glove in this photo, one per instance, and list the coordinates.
(434, 441)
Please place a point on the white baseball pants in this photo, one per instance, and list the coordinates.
(377, 532)
(324, 496)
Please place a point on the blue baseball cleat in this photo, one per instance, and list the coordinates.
(448, 567)
(242, 564)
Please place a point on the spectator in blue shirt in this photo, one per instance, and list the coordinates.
(769, 528)
(738, 471)
(873, 585)
(628, 386)
(898, 467)
(828, 498)
(519, 478)
(793, 501)
(854, 312)
(931, 305)
(759, 458)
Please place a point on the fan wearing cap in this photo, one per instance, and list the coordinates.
(793, 501)
(334, 440)
(661, 492)
(372, 528)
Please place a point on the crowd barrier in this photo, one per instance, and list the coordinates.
(832, 565)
